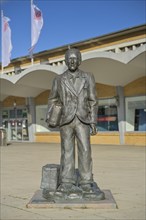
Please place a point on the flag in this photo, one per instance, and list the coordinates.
(36, 25)
(6, 41)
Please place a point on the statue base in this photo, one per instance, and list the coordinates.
(53, 195)
(38, 201)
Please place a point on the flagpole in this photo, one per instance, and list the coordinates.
(32, 60)
(2, 41)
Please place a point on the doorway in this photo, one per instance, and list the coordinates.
(19, 130)
(16, 124)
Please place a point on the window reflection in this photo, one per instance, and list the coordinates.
(107, 119)
(136, 113)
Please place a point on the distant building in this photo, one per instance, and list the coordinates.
(118, 62)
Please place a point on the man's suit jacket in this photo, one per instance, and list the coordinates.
(76, 99)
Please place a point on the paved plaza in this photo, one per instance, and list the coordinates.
(120, 169)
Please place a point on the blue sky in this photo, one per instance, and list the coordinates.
(69, 21)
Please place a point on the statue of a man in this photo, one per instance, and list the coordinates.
(75, 90)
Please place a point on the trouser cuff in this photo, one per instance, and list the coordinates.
(83, 182)
(68, 181)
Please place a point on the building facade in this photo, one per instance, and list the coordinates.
(118, 62)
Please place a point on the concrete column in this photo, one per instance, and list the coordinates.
(121, 113)
(31, 118)
(1, 118)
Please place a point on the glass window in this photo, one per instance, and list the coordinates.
(140, 120)
(5, 114)
(19, 113)
(107, 119)
(24, 113)
(136, 113)
(13, 113)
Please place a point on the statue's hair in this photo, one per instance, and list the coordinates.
(73, 50)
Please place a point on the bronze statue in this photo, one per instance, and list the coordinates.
(72, 106)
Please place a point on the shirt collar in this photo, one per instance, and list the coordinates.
(74, 75)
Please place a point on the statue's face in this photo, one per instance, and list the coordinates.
(72, 61)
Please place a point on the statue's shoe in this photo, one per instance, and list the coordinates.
(94, 196)
(69, 187)
(92, 191)
(88, 188)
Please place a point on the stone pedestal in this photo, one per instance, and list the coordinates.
(38, 201)
(51, 196)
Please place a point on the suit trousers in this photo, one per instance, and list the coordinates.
(75, 130)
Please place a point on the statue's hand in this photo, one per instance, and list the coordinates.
(48, 124)
(93, 129)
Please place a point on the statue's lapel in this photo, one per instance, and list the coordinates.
(80, 83)
(75, 89)
(66, 80)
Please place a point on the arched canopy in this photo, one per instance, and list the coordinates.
(107, 67)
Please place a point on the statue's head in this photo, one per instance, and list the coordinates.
(73, 59)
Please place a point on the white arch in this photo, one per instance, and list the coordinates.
(15, 78)
(108, 68)
(123, 57)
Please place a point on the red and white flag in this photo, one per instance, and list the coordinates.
(6, 41)
(36, 25)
